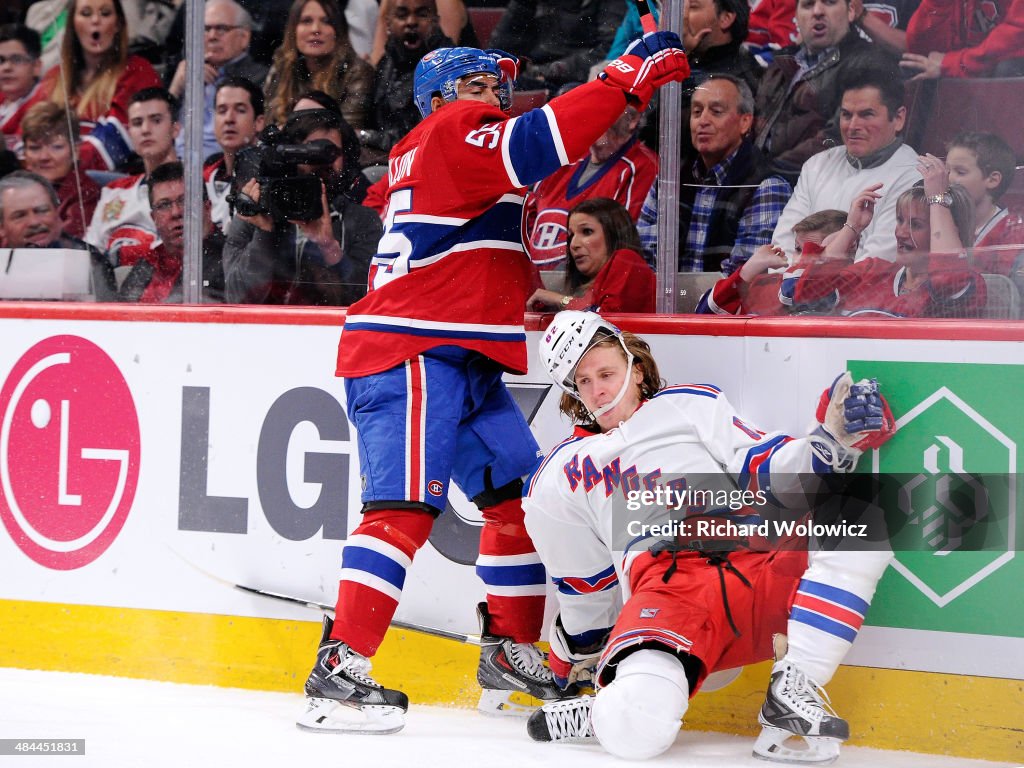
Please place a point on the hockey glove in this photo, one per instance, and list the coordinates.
(569, 663)
(852, 418)
(647, 64)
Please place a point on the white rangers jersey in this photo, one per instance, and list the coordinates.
(577, 502)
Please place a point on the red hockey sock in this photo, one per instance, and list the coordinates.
(512, 573)
(373, 567)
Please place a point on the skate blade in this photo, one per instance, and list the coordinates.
(330, 716)
(782, 746)
(495, 703)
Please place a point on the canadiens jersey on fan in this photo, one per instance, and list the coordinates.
(576, 502)
(451, 268)
(122, 225)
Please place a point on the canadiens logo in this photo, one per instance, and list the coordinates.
(112, 210)
(547, 239)
(435, 488)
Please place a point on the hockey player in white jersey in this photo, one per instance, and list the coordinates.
(691, 607)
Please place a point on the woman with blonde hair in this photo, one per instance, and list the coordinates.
(317, 55)
(96, 77)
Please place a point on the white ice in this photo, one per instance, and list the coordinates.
(136, 723)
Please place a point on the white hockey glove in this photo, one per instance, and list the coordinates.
(568, 663)
(852, 418)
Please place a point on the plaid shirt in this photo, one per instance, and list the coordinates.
(755, 226)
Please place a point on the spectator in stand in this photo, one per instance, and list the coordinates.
(156, 277)
(453, 19)
(316, 55)
(558, 40)
(228, 28)
(237, 121)
(972, 38)
(122, 221)
(931, 276)
(19, 81)
(754, 288)
(713, 33)
(354, 184)
(983, 164)
(729, 201)
(97, 78)
(619, 167)
(29, 219)
(324, 261)
(51, 148)
(885, 22)
(604, 271)
(412, 32)
(799, 95)
(871, 116)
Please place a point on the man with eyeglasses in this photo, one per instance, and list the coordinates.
(29, 219)
(156, 276)
(228, 32)
(19, 80)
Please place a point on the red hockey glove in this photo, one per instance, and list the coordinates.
(650, 62)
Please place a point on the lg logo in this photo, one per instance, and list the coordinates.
(69, 452)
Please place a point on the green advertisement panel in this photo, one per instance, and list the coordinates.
(952, 497)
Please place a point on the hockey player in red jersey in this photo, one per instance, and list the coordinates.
(423, 354)
(694, 604)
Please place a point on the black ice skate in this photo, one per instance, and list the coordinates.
(513, 675)
(342, 697)
(797, 707)
(567, 721)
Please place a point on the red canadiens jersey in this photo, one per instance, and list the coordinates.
(452, 268)
(11, 114)
(999, 249)
(626, 178)
(122, 225)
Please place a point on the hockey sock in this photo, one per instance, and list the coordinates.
(512, 573)
(373, 566)
(829, 607)
(637, 715)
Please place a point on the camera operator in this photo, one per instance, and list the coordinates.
(283, 247)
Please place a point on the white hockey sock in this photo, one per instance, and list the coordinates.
(638, 715)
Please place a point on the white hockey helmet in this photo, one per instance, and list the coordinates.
(569, 337)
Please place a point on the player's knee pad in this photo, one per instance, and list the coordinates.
(637, 716)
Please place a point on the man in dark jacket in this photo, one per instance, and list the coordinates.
(324, 261)
(798, 99)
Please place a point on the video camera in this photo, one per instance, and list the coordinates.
(285, 194)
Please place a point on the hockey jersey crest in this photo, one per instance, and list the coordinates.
(123, 220)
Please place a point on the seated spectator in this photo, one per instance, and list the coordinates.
(754, 288)
(19, 81)
(29, 219)
(155, 277)
(97, 78)
(799, 94)
(558, 40)
(729, 201)
(122, 219)
(713, 35)
(413, 31)
(453, 20)
(51, 149)
(619, 167)
(353, 184)
(237, 122)
(972, 38)
(325, 261)
(228, 28)
(983, 164)
(871, 116)
(604, 271)
(931, 276)
(316, 55)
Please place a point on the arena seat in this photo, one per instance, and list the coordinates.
(1003, 302)
(524, 101)
(965, 104)
(484, 21)
(690, 286)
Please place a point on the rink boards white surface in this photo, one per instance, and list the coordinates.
(131, 723)
(940, 678)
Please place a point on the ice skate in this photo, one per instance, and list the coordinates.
(567, 720)
(341, 697)
(797, 710)
(513, 675)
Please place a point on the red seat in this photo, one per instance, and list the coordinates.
(484, 21)
(967, 104)
(524, 101)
